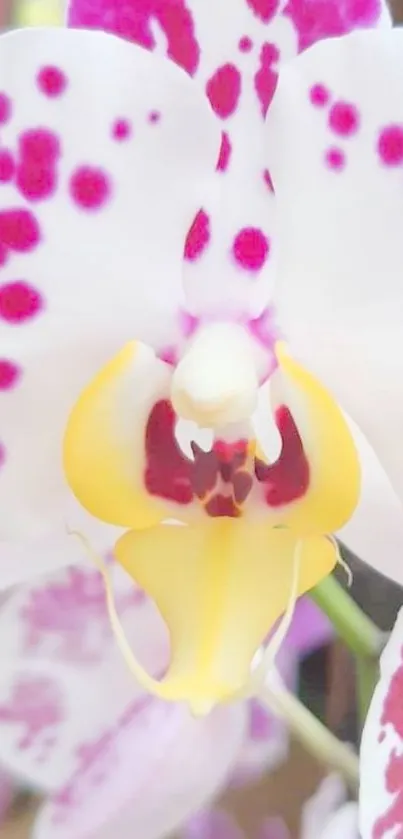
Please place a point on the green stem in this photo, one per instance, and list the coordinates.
(306, 728)
(367, 675)
(358, 632)
(353, 626)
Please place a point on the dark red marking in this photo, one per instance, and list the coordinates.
(225, 152)
(287, 479)
(168, 471)
(7, 166)
(52, 81)
(266, 77)
(19, 302)
(222, 505)
(5, 108)
(134, 22)
(9, 374)
(90, 188)
(223, 90)
(198, 236)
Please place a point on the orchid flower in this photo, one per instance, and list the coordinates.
(326, 815)
(118, 336)
(75, 728)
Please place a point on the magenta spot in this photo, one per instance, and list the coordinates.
(319, 95)
(198, 236)
(188, 323)
(19, 230)
(121, 129)
(245, 44)
(390, 145)
(5, 108)
(36, 183)
(154, 117)
(315, 20)
(36, 176)
(169, 355)
(2, 455)
(250, 248)
(3, 254)
(136, 23)
(9, 374)
(264, 9)
(19, 302)
(266, 77)
(39, 144)
(223, 90)
(267, 179)
(335, 159)
(90, 188)
(7, 166)
(225, 153)
(344, 119)
(51, 81)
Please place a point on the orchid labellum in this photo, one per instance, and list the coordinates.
(137, 312)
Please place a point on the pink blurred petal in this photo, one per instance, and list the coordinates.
(212, 824)
(310, 628)
(148, 773)
(273, 828)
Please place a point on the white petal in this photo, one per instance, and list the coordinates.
(152, 772)
(340, 295)
(375, 531)
(381, 771)
(98, 259)
(234, 49)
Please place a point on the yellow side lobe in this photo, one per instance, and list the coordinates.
(104, 458)
(220, 587)
(334, 469)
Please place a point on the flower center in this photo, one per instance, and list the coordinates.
(216, 382)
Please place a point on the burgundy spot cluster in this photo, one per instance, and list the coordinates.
(223, 477)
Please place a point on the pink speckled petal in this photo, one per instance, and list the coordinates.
(234, 49)
(340, 297)
(97, 195)
(62, 680)
(154, 769)
(381, 775)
